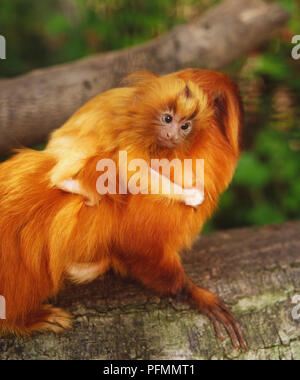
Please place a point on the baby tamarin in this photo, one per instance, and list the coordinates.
(48, 233)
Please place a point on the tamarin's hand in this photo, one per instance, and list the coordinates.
(193, 197)
(190, 197)
(44, 197)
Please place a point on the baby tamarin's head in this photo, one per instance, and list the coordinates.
(168, 111)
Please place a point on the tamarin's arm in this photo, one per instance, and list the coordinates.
(191, 197)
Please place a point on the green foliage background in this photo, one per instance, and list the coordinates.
(266, 188)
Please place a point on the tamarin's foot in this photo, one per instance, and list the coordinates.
(49, 318)
(74, 186)
(218, 313)
(221, 314)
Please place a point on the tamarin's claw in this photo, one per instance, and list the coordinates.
(193, 197)
(219, 314)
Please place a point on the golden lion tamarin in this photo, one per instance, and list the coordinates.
(55, 225)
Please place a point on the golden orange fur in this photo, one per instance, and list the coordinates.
(48, 234)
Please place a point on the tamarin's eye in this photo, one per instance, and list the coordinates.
(185, 126)
(168, 119)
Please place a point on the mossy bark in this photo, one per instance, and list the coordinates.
(255, 270)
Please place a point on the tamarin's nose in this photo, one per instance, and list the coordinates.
(169, 135)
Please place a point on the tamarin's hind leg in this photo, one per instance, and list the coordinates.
(48, 318)
(167, 277)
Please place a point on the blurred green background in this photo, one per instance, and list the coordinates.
(266, 188)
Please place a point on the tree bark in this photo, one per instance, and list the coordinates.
(31, 106)
(255, 270)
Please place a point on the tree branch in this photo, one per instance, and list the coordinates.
(31, 106)
(255, 270)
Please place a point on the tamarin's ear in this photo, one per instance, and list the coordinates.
(229, 115)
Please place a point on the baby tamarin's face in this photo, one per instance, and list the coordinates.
(173, 130)
(172, 111)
